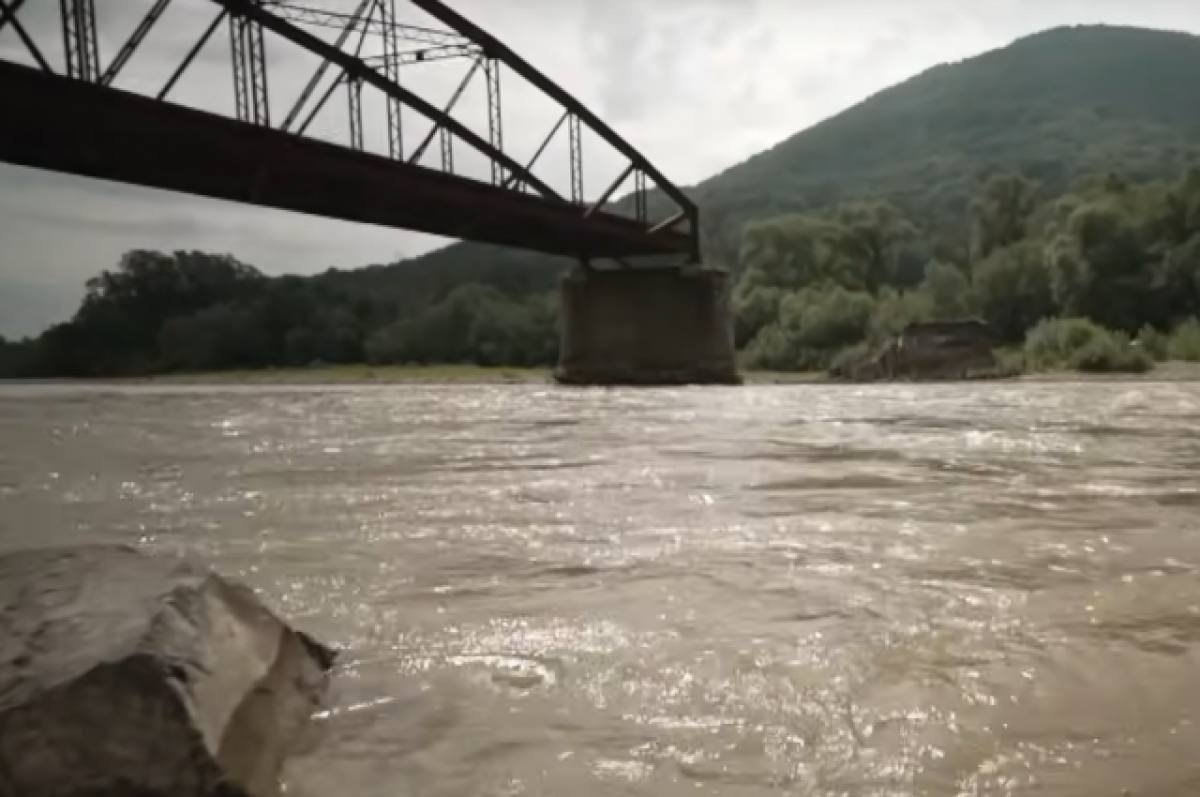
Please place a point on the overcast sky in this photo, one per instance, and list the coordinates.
(696, 85)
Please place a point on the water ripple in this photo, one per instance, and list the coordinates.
(875, 590)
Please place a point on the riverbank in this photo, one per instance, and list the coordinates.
(358, 375)
(419, 374)
(480, 375)
(1173, 371)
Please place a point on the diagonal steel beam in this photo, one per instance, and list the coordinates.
(135, 39)
(494, 48)
(191, 55)
(313, 81)
(316, 109)
(668, 222)
(356, 68)
(8, 13)
(419, 151)
(337, 81)
(542, 148)
(599, 203)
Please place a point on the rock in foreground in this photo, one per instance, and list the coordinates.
(122, 674)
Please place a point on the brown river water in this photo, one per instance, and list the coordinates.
(777, 590)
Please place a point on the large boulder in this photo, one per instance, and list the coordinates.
(125, 674)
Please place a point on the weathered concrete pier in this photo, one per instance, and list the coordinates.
(647, 327)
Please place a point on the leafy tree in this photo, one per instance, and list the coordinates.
(794, 251)
(814, 324)
(895, 310)
(1013, 290)
(1000, 213)
(948, 290)
(473, 324)
(1176, 280)
(332, 335)
(873, 238)
(860, 246)
(221, 336)
(754, 307)
(17, 358)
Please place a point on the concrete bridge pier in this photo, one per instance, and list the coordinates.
(647, 327)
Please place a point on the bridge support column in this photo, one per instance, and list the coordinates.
(646, 327)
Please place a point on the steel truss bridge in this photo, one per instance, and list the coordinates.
(70, 117)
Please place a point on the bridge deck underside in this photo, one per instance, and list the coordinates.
(52, 122)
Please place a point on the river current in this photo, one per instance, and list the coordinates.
(977, 589)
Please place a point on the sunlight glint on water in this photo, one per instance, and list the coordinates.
(961, 589)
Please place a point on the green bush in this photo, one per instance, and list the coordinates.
(1083, 345)
(813, 325)
(830, 319)
(476, 324)
(895, 310)
(1111, 352)
(1184, 343)
(1053, 342)
(849, 360)
(754, 307)
(949, 291)
(1010, 361)
(773, 349)
(1153, 342)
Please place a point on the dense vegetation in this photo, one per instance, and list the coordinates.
(1046, 180)
(1118, 261)
(190, 311)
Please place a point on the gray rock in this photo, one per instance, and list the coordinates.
(123, 674)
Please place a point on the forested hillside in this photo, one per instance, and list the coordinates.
(1056, 106)
(1048, 178)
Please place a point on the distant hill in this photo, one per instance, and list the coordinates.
(1055, 105)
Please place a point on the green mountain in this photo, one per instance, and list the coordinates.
(1055, 106)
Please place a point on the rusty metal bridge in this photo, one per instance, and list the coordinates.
(62, 110)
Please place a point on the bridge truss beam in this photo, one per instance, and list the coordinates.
(166, 145)
(118, 135)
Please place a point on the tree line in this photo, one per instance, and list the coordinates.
(1117, 259)
(1104, 275)
(191, 311)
